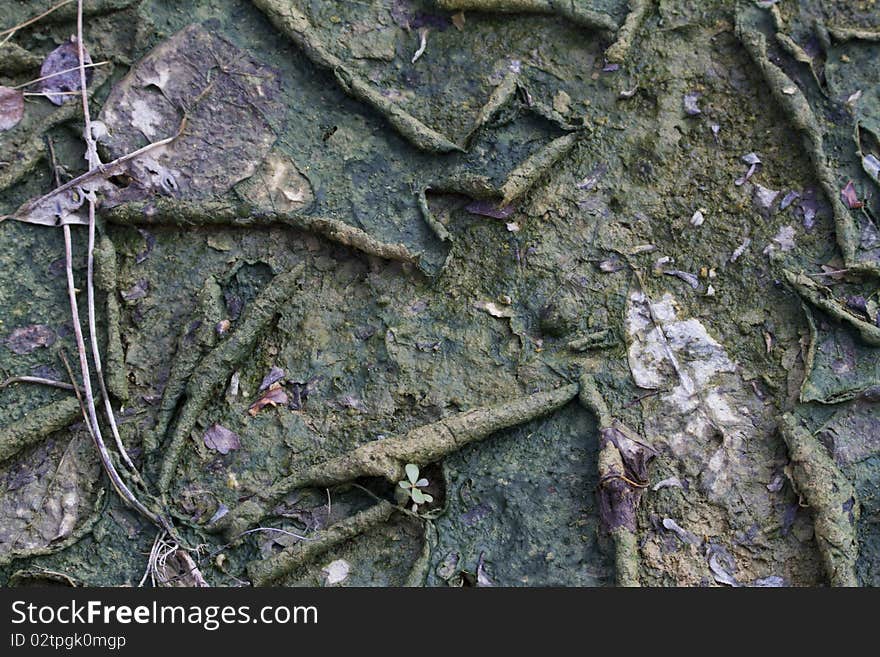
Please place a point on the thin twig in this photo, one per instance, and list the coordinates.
(47, 94)
(39, 380)
(12, 30)
(94, 163)
(48, 77)
(88, 398)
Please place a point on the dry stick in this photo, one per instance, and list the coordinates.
(832, 498)
(95, 163)
(90, 414)
(38, 380)
(48, 77)
(12, 30)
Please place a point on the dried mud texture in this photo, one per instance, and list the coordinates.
(545, 190)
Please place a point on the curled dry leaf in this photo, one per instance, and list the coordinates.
(849, 196)
(274, 375)
(221, 439)
(61, 72)
(274, 396)
(11, 108)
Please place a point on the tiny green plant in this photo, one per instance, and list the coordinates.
(411, 488)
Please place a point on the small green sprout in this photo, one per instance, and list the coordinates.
(411, 487)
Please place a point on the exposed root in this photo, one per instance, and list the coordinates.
(36, 425)
(164, 212)
(105, 279)
(534, 167)
(388, 457)
(831, 497)
(618, 51)
(268, 570)
(623, 475)
(793, 102)
(287, 18)
(822, 297)
(196, 338)
(15, 59)
(213, 371)
(574, 11)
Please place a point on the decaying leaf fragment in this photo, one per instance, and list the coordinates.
(11, 108)
(49, 493)
(190, 120)
(707, 420)
(221, 439)
(26, 339)
(60, 73)
(274, 396)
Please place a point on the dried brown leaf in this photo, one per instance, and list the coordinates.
(274, 396)
(221, 439)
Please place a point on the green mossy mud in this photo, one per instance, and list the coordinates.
(416, 259)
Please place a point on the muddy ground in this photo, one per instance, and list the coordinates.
(373, 216)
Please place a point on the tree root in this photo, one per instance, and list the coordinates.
(853, 33)
(821, 297)
(36, 425)
(569, 9)
(15, 59)
(196, 338)
(164, 212)
(105, 280)
(388, 457)
(793, 103)
(268, 570)
(213, 370)
(832, 498)
(289, 20)
(623, 475)
(618, 51)
(534, 167)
